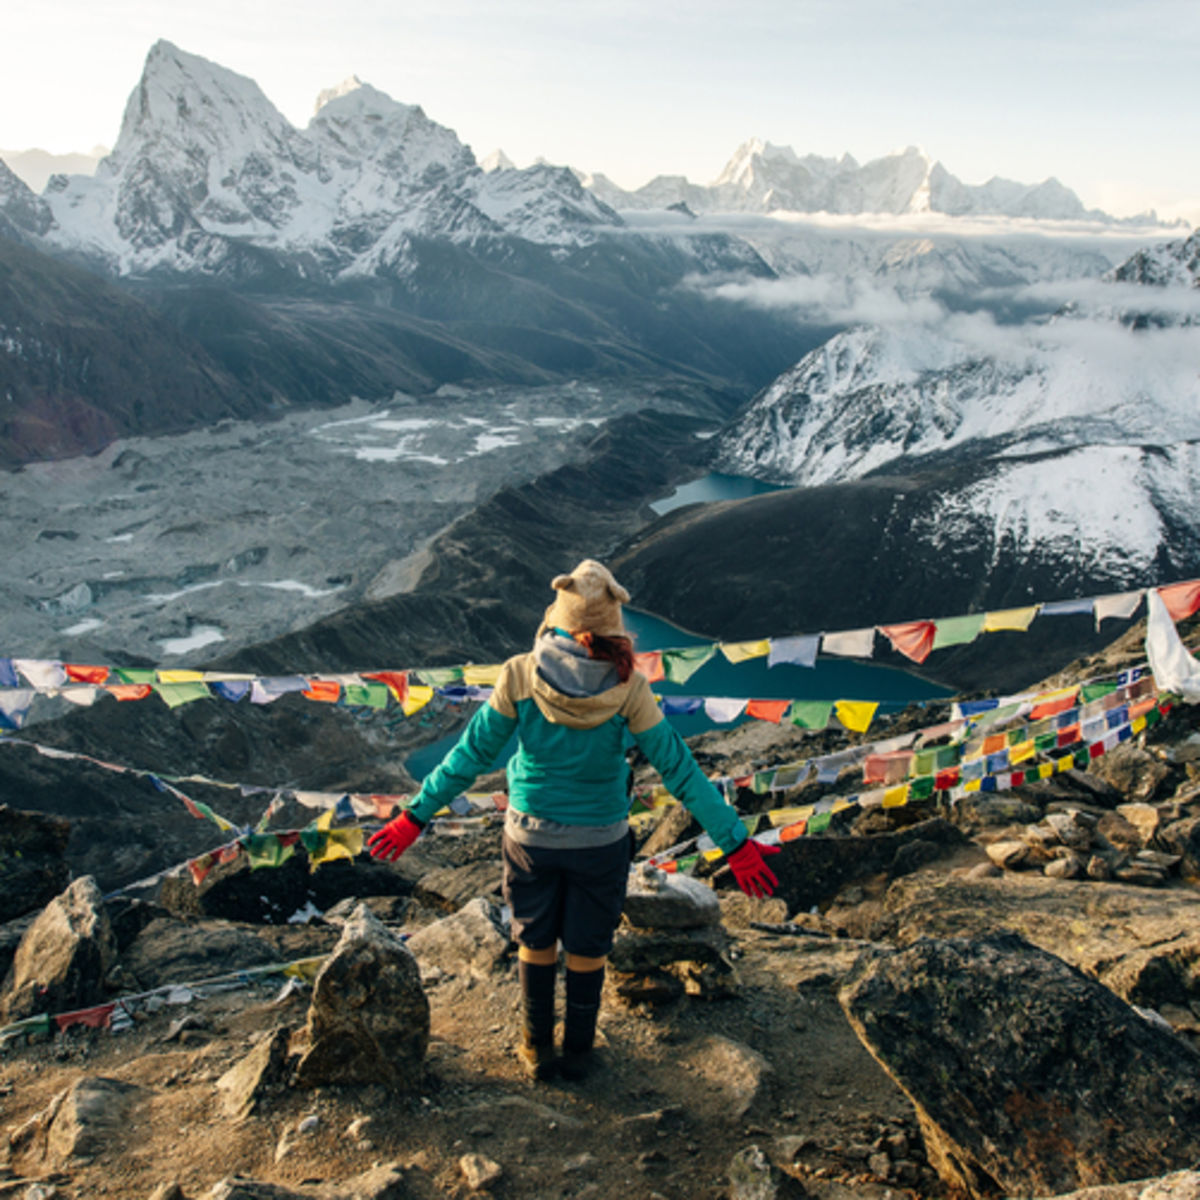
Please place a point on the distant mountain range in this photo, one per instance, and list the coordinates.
(761, 177)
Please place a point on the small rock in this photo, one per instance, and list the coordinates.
(1008, 855)
(1098, 868)
(655, 899)
(1070, 866)
(309, 1124)
(879, 1165)
(479, 1172)
(580, 1162)
(168, 1191)
(752, 1176)
(983, 870)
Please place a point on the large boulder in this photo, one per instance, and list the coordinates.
(1183, 838)
(1028, 1077)
(170, 950)
(1144, 945)
(369, 1017)
(90, 1119)
(473, 941)
(64, 956)
(32, 868)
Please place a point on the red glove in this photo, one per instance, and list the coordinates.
(753, 875)
(394, 838)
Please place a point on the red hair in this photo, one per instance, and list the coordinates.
(616, 650)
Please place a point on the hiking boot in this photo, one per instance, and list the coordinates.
(539, 1062)
(576, 1065)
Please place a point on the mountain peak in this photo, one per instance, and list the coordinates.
(349, 84)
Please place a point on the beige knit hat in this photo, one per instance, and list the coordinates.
(589, 600)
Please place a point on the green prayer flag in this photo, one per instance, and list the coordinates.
(1153, 717)
(924, 763)
(136, 675)
(1014, 737)
(1093, 691)
(266, 850)
(762, 782)
(440, 676)
(1047, 741)
(1081, 758)
(921, 789)
(175, 694)
(957, 631)
(810, 714)
(948, 756)
(680, 665)
(819, 822)
(686, 864)
(372, 695)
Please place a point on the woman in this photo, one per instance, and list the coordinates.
(572, 701)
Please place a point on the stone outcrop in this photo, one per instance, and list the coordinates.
(369, 1017)
(474, 940)
(89, 1119)
(1028, 1077)
(63, 958)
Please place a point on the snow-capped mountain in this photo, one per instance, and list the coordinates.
(205, 162)
(1172, 264)
(762, 177)
(1078, 435)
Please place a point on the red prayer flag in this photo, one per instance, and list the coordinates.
(397, 682)
(327, 690)
(789, 833)
(914, 639)
(129, 691)
(947, 779)
(1181, 599)
(768, 710)
(1049, 707)
(93, 1018)
(650, 665)
(83, 674)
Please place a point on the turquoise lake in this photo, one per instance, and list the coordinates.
(830, 679)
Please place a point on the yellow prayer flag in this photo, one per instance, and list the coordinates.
(481, 676)
(180, 676)
(418, 696)
(638, 821)
(856, 715)
(895, 797)
(842, 803)
(738, 652)
(341, 843)
(972, 785)
(1137, 724)
(304, 968)
(1045, 770)
(325, 820)
(712, 855)
(660, 795)
(788, 816)
(1010, 618)
(1065, 763)
(1021, 752)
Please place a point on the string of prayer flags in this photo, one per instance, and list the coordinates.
(914, 639)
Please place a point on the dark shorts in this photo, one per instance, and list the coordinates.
(572, 896)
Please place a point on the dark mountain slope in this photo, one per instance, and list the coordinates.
(83, 362)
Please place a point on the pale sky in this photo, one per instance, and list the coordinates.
(1101, 94)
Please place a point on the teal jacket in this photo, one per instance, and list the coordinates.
(570, 761)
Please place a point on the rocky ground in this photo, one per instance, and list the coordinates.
(946, 1019)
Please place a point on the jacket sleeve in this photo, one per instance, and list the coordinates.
(476, 750)
(668, 753)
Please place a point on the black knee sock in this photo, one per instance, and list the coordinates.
(583, 1006)
(537, 1001)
